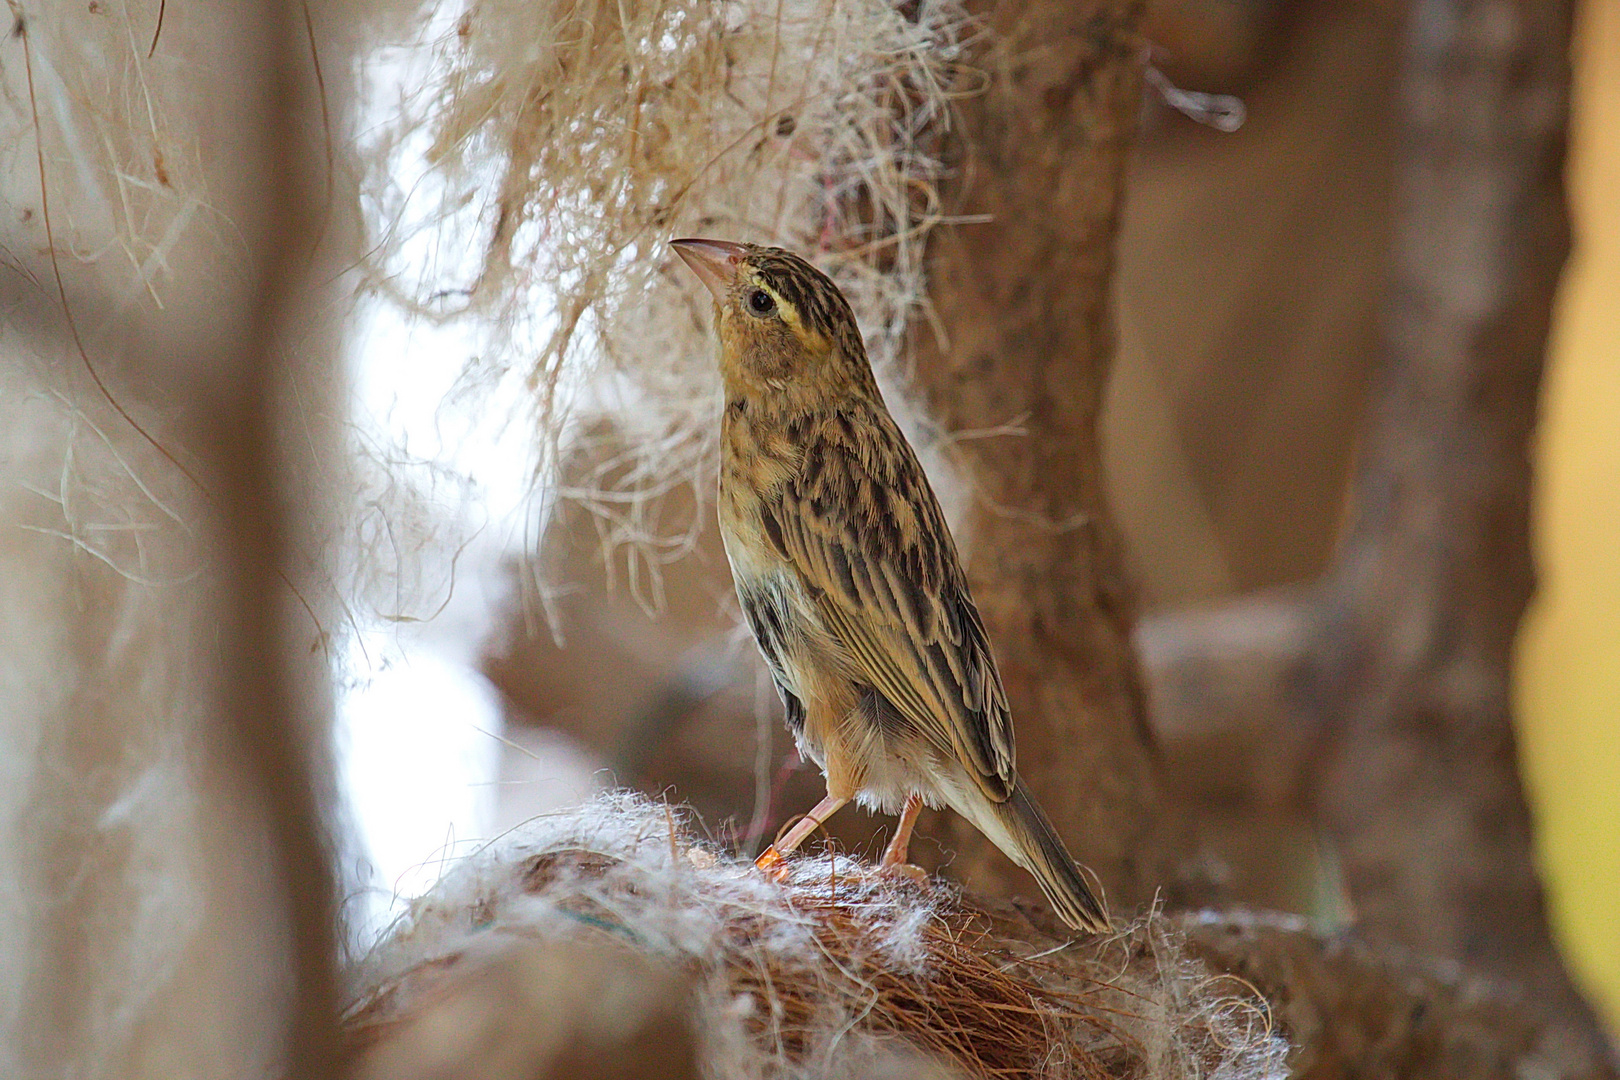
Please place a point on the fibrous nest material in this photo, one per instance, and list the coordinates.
(530, 160)
(813, 975)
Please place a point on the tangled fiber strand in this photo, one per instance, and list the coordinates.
(792, 977)
(533, 157)
(123, 151)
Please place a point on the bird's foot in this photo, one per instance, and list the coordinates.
(773, 864)
(904, 871)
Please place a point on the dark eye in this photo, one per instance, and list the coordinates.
(761, 302)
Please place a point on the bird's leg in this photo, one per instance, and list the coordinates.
(895, 853)
(806, 825)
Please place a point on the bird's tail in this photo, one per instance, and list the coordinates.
(1030, 841)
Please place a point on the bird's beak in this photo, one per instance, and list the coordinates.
(713, 261)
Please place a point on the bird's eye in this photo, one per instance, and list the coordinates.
(761, 302)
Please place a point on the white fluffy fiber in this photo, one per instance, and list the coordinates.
(629, 868)
(665, 895)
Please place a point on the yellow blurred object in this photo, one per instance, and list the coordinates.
(1568, 671)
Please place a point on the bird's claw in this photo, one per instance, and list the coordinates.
(773, 864)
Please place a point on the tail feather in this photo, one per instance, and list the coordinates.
(1036, 846)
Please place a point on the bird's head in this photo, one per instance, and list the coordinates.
(783, 324)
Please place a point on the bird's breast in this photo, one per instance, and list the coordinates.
(751, 475)
(780, 611)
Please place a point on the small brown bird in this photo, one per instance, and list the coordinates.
(849, 577)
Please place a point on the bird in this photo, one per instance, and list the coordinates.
(849, 578)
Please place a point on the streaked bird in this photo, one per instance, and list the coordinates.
(849, 578)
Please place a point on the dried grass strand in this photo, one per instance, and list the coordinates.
(22, 31)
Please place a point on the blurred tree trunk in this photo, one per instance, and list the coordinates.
(1417, 778)
(1022, 297)
(1382, 692)
(272, 710)
(268, 696)
(1389, 682)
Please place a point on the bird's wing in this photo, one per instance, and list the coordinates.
(869, 542)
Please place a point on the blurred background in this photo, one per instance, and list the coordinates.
(494, 636)
(1568, 669)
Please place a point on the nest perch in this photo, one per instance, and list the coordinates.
(808, 976)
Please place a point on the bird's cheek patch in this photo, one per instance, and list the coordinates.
(742, 339)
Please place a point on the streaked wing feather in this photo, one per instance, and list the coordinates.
(874, 551)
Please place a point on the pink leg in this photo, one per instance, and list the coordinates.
(895, 853)
(806, 825)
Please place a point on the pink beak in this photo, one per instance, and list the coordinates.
(715, 262)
